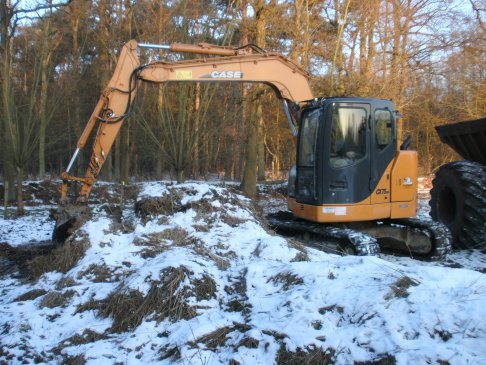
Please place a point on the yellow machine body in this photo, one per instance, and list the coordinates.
(395, 196)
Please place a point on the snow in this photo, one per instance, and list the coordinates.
(354, 308)
(33, 227)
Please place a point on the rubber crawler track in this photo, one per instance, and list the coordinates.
(362, 243)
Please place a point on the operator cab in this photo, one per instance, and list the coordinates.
(344, 147)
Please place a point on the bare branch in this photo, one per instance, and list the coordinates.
(41, 7)
(478, 11)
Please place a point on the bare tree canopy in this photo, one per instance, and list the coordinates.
(429, 56)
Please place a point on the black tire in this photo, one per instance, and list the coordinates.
(458, 199)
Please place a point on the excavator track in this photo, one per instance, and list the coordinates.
(417, 238)
(425, 240)
(325, 237)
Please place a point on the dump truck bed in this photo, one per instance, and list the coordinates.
(467, 138)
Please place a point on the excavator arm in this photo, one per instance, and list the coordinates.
(219, 64)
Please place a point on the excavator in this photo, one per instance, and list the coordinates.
(352, 186)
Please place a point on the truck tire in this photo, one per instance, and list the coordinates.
(458, 199)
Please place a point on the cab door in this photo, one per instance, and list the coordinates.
(347, 163)
(383, 151)
(308, 157)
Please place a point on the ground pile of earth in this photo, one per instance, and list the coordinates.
(191, 274)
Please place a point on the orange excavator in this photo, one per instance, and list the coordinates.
(352, 186)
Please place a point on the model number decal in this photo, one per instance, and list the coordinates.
(382, 192)
(223, 75)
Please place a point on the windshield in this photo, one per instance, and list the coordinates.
(348, 135)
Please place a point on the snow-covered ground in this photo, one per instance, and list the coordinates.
(195, 278)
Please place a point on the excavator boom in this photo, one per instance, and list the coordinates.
(288, 80)
(219, 64)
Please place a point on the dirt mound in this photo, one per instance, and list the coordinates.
(189, 274)
(178, 262)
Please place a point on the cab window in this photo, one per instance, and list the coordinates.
(308, 138)
(348, 135)
(383, 129)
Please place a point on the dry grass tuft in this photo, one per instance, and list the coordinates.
(231, 220)
(165, 299)
(221, 263)
(124, 308)
(30, 295)
(100, 274)
(317, 325)
(204, 209)
(170, 352)
(287, 279)
(167, 204)
(399, 289)
(155, 243)
(151, 251)
(74, 360)
(88, 336)
(331, 308)
(56, 299)
(201, 228)
(248, 342)
(118, 224)
(214, 339)
(63, 258)
(114, 193)
(218, 338)
(65, 282)
(236, 306)
(204, 288)
(302, 255)
(310, 355)
(94, 305)
(238, 291)
(171, 299)
(279, 336)
(178, 236)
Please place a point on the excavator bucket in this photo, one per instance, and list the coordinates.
(69, 218)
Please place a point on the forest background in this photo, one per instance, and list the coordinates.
(429, 56)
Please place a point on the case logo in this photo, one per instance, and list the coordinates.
(223, 75)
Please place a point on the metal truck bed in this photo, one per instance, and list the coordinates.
(467, 138)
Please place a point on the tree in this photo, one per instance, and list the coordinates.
(49, 41)
(18, 125)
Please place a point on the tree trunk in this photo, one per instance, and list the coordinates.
(5, 54)
(45, 61)
(248, 185)
(250, 177)
(337, 82)
(261, 147)
(125, 152)
(43, 120)
(196, 162)
(20, 195)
